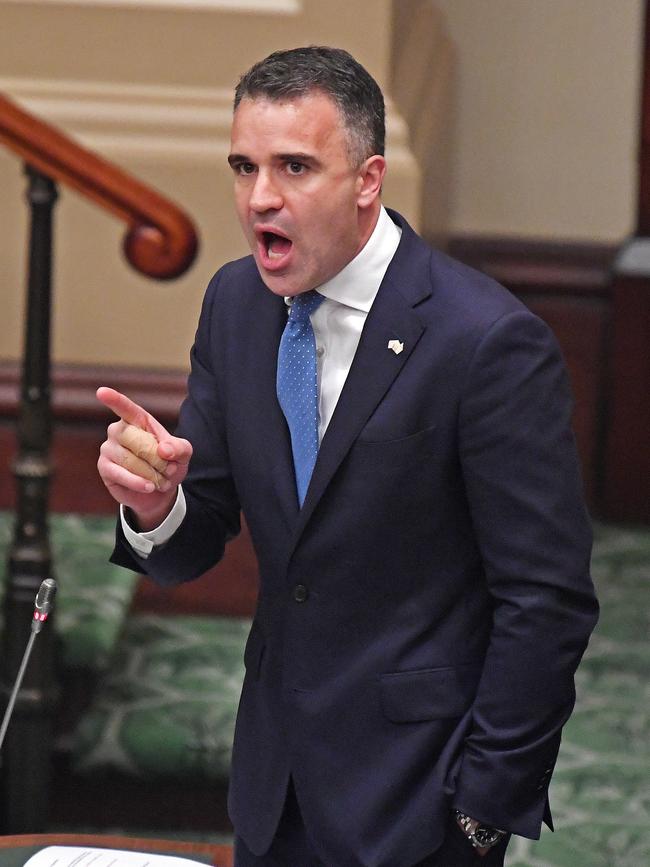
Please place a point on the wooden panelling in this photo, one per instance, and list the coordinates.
(528, 266)
(80, 426)
(626, 471)
(626, 489)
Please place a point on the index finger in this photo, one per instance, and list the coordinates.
(123, 407)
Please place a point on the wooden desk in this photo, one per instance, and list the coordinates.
(217, 856)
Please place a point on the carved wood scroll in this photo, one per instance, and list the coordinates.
(161, 240)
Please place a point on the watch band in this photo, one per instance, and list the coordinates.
(480, 836)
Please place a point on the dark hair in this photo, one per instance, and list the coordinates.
(297, 72)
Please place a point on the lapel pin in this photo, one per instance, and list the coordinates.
(396, 345)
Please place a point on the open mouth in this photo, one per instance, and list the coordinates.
(274, 248)
(277, 246)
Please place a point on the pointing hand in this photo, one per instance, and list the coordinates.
(140, 462)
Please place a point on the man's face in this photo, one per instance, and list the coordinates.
(296, 192)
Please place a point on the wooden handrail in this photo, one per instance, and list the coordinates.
(161, 240)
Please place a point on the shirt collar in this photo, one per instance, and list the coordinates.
(358, 283)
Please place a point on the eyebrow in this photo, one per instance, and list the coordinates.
(298, 158)
(237, 159)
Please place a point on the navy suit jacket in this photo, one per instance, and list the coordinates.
(421, 618)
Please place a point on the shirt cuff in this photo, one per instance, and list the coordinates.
(144, 543)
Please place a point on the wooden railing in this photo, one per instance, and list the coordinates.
(161, 241)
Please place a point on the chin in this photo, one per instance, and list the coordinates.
(275, 289)
(276, 285)
(282, 286)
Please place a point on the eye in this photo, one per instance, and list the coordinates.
(296, 168)
(243, 168)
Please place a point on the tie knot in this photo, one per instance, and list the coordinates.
(303, 305)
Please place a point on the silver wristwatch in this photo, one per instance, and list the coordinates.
(480, 836)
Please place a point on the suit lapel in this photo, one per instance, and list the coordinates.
(375, 365)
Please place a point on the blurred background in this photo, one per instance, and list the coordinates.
(517, 142)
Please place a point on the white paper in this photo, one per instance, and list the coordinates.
(87, 856)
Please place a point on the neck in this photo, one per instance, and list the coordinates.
(367, 221)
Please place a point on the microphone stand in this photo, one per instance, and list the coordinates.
(42, 607)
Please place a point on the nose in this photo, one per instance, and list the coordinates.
(265, 195)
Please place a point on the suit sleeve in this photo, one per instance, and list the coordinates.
(212, 516)
(525, 495)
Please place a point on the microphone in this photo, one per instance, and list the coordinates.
(42, 607)
(43, 603)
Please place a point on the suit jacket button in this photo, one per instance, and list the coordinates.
(300, 593)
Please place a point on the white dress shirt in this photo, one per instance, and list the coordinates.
(337, 323)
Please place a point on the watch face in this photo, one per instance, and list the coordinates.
(485, 836)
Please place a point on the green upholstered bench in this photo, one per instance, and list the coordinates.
(160, 692)
(167, 706)
(93, 596)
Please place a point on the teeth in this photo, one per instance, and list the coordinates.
(277, 246)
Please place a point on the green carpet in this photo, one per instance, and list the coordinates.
(600, 792)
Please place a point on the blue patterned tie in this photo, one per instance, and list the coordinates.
(297, 386)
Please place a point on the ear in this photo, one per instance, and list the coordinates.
(369, 180)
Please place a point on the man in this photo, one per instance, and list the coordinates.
(425, 596)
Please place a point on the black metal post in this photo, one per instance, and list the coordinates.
(26, 756)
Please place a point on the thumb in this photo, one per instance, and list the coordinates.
(175, 449)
